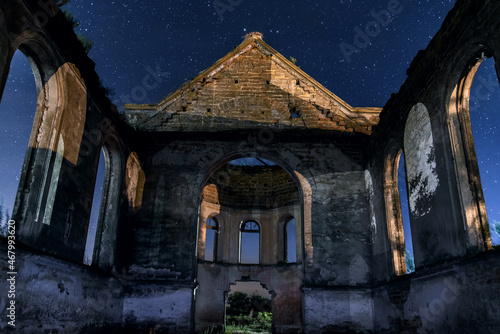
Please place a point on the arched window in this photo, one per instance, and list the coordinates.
(100, 248)
(16, 114)
(484, 112)
(405, 215)
(290, 241)
(473, 109)
(95, 212)
(250, 242)
(397, 211)
(211, 239)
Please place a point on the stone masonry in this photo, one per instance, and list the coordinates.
(333, 171)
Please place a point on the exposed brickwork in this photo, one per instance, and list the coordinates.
(253, 86)
(251, 187)
(335, 181)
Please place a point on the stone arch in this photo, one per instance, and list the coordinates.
(465, 166)
(284, 279)
(289, 234)
(420, 160)
(43, 135)
(301, 180)
(208, 209)
(214, 228)
(281, 226)
(56, 133)
(134, 182)
(107, 228)
(422, 183)
(393, 212)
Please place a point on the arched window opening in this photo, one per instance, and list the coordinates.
(17, 109)
(290, 241)
(405, 215)
(211, 239)
(95, 212)
(484, 110)
(250, 242)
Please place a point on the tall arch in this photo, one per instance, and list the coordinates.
(104, 249)
(56, 133)
(290, 242)
(465, 164)
(393, 212)
(422, 185)
(250, 243)
(211, 234)
(484, 118)
(269, 220)
(17, 110)
(305, 253)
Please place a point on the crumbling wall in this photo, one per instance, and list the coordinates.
(73, 117)
(447, 293)
(54, 295)
(347, 275)
(283, 282)
(454, 298)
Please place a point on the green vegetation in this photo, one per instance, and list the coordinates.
(86, 42)
(410, 262)
(496, 226)
(293, 60)
(248, 314)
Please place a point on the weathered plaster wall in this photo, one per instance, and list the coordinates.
(283, 282)
(155, 307)
(54, 295)
(340, 230)
(72, 119)
(454, 221)
(166, 224)
(338, 311)
(347, 276)
(459, 297)
(451, 289)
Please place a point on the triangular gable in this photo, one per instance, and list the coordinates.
(252, 86)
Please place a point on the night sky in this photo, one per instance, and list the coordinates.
(178, 39)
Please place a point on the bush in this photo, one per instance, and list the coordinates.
(245, 314)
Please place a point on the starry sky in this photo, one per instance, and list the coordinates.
(178, 39)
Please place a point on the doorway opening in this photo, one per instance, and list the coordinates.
(248, 308)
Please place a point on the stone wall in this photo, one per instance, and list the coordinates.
(145, 272)
(283, 282)
(252, 187)
(55, 295)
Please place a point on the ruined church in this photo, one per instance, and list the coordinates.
(318, 205)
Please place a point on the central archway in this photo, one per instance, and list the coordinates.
(246, 206)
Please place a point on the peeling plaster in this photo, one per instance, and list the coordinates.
(371, 195)
(420, 161)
